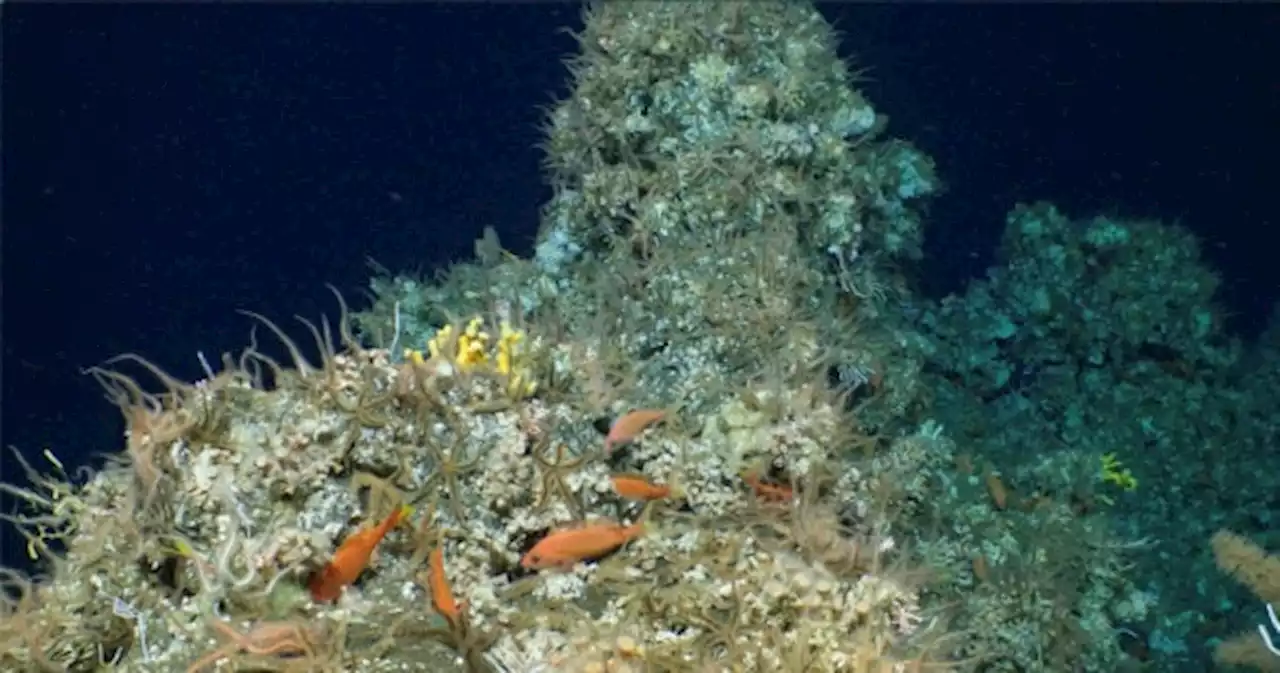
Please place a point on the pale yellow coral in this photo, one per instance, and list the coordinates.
(508, 341)
(441, 342)
(473, 349)
(473, 345)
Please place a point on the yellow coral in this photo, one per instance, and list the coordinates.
(470, 349)
(1114, 472)
(508, 340)
(440, 342)
(509, 363)
(473, 345)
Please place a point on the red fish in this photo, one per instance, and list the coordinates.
(352, 557)
(638, 487)
(567, 546)
(631, 424)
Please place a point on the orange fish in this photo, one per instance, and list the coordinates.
(630, 424)
(351, 557)
(766, 491)
(637, 487)
(567, 546)
(441, 593)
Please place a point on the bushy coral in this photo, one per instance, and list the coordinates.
(1092, 368)
(1103, 291)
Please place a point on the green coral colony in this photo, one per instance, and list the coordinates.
(725, 243)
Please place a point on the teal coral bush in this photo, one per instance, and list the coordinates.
(1101, 339)
(1102, 291)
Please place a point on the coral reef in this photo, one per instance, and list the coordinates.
(716, 247)
(237, 488)
(709, 401)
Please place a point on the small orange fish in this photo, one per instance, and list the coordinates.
(766, 491)
(630, 424)
(352, 557)
(567, 546)
(638, 487)
(441, 593)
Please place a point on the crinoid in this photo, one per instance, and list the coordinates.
(153, 422)
(51, 507)
(318, 379)
(719, 621)
(380, 496)
(449, 466)
(364, 399)
(31, 627)
(286, 644)
(196, 413)
(554, 469)
(367, 404)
